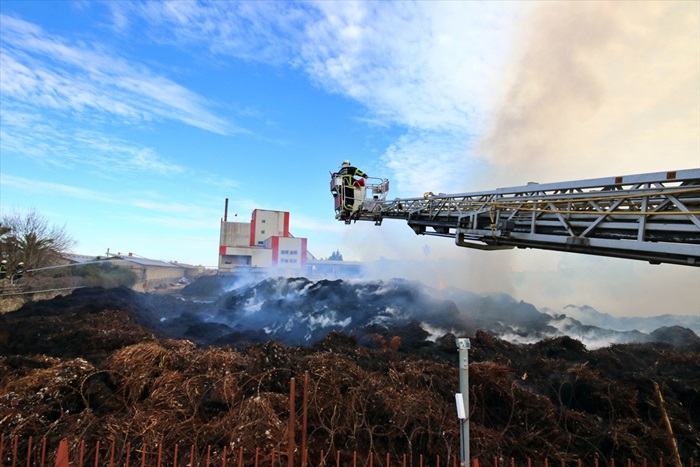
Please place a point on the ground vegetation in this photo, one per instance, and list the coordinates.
(94, 365)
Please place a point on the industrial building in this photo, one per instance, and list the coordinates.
(264, 242)
(151, 274)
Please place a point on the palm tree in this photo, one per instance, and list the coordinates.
(32, 240)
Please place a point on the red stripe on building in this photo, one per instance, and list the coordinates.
(303, 253)
(285, 232)
(252, 229)
(222, 250)
(275, 250)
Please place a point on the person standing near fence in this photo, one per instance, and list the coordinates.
(18, 272)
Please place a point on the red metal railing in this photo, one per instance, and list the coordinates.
(128, 455)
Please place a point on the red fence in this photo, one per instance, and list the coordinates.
(113, 454)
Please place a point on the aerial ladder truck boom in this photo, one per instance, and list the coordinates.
(653, 217)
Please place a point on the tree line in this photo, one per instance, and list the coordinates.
(30, 241)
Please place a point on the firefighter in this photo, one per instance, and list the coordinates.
(18, 272)
(348, 173)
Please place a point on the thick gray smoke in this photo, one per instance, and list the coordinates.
(599, 89)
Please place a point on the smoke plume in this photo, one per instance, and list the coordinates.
(600, 89)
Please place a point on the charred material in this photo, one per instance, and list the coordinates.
(103, 364)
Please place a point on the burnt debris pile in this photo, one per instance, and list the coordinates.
(382, 366)
(298, 311)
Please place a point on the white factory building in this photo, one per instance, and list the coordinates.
(264, 242)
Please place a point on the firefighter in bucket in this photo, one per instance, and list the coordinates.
(347, 174)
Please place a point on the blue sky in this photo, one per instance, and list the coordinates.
(131, 122)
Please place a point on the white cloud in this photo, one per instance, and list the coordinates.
(52, 73)
(54, 189)
(256, 31)
(428, 67)
(49, 141)
(220, 181)
(113, 155)
(170, 207)
(428, 161)
(423, 65)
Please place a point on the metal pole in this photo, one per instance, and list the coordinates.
(464, 345)
(292, 423)
(304, 423)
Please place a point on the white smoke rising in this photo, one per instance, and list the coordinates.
(592, 89)
(600, 89)
(300, 311)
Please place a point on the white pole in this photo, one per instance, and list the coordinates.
(464, 345)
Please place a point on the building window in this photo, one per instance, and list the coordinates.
(262, 231)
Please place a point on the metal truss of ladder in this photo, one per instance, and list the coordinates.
(652, 217)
